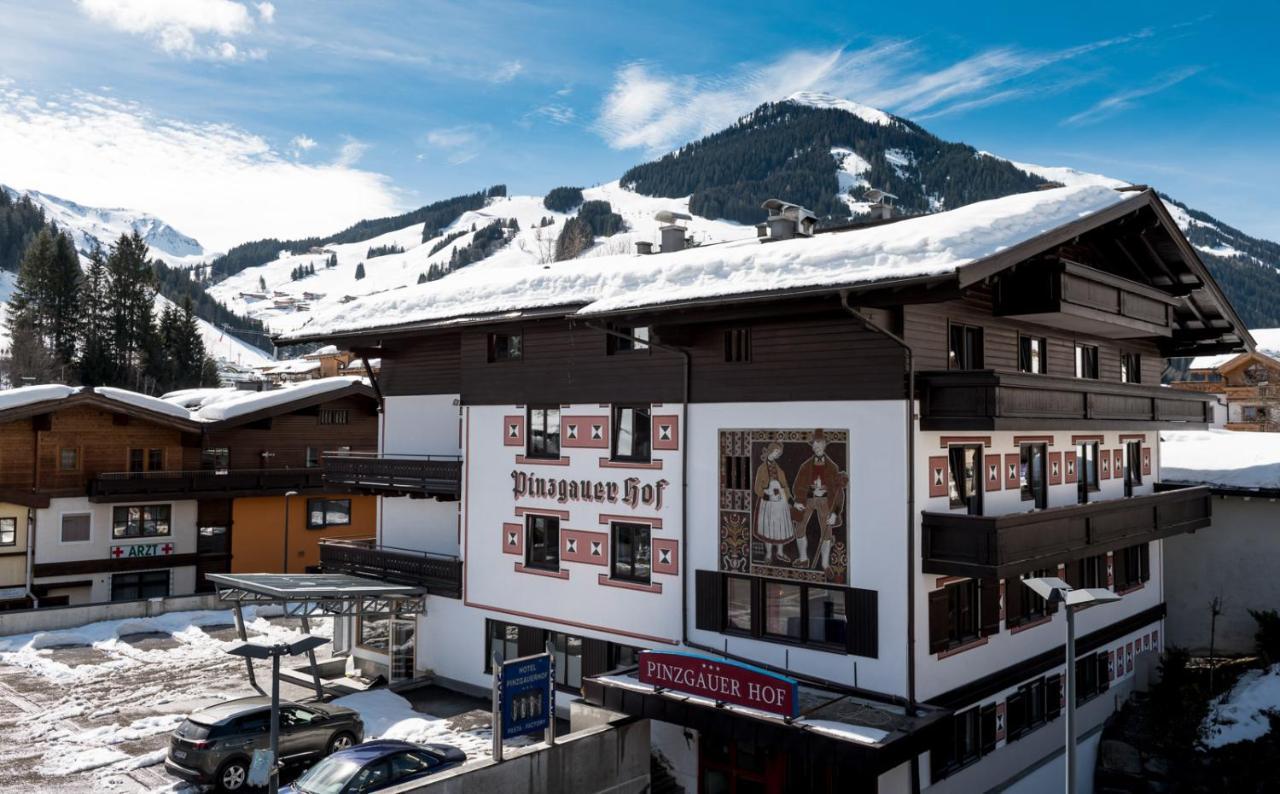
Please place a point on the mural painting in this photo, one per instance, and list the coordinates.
(783, 499)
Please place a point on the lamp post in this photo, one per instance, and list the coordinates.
(1055, 591)
(251, 650)
(287, 494)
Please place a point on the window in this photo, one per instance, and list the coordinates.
(76, 527)
(965, 486)
(8, 531)
(738, 603)
(1130, 368)
(140, 521)
(504, 640)
(1022, 605)
(1032, 355)
(737, 345)
(506, 347)
(1086, 361)
(567, 650)
(1132, 566)
(216, 459)
(328, 513)
(410, 763)
(632, 427)
(633, 338)
(962, 603)
(1254, 413)
(959, 743)
(69, 459)
(1052, 697)
(1086, 470)
(373, 632)
(155, 460)
(965, 351)
(1091, 676)
(828, 622)
(1089, 572)
(334, 416)
(296, 717)
(1132, 466)
(1026, 709)
(313, 457)
(544, 433)
(962, 612)
(542, 542)
(137, 586)
(1034, 483)
(782, 606)
(631, 552)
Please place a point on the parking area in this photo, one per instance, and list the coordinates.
(91, 708)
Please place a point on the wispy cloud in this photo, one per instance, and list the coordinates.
(1124, 100)
(461, 143)
(301, 144)
(350, 152)
(553, 112)
(507, 72)
(189, 28)
(648, 109)
(217, 182)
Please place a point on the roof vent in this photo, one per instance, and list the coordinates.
(673, 234)
(881, 203)
(785, 221)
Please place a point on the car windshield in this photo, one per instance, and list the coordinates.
(327, 777)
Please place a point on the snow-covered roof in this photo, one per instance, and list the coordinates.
(29, 395)
(1223, 458)
(1268, 344)
(234, 403)
(327, 350)
(929, 245)
(292, 366)
(144, 401)
(193, 398)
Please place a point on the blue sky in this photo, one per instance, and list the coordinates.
(236, 119)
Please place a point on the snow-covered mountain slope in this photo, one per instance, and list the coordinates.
(96, 226)
(286, 304)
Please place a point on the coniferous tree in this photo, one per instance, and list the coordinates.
(209, 373)
(97, 364)
(262, 283)
(131, 300)
(46, 297)
(359, 271)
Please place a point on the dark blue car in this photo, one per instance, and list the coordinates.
(373, 766)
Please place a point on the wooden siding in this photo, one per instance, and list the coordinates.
(422, 365)
(287, 436)
(103, 440)
(925, 329)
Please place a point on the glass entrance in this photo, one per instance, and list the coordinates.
(402, 648)
(732, 767)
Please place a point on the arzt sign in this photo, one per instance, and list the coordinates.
(141, 550)
(722, 681)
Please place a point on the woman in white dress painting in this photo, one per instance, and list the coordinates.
(773, 518)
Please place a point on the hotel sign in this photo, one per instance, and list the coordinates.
(141, 550)
(721, 681)
(630, 491)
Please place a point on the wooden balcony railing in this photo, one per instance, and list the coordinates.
(128, 486)
(438, 574)
(1000, 546)
(423, 475)
(989, 400)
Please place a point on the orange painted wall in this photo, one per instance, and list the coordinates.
(257, 545)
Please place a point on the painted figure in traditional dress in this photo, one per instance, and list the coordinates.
(819, 490)
(773, 517)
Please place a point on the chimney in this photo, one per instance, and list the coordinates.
(673, 238)
(644, 247)
(786, 220)
(881, 203)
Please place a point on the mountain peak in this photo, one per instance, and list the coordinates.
(818, 99)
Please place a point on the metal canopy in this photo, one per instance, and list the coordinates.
(312, 594)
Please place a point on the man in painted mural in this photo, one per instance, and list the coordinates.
(819, 490)
(773, 519)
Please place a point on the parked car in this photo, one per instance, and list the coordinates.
(375, 766)
(215, 744)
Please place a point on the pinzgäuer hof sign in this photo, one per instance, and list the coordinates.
(630, 492)
(722, 681)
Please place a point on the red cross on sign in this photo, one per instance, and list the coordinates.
(117, 551)
(166, 548)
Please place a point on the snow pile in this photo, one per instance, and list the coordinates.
(1241, 714)
(386, 715)
(1268, 344)
(193, 398)
(925, 246)
(232, 403)
(1224, 458)
(817, 99)
(29, 395)
(143, 401)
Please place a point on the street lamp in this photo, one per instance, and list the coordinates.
(287, 494)
(251, 650)
(1055, 591)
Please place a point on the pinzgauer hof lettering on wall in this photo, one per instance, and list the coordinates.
(783, 498)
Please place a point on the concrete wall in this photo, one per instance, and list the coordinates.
(1236, 559)
(53, 618)
(610, 758)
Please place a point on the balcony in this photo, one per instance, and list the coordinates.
(1015, 543)
(413, 475)
(989, 400)
(438, 574)
(1076, 297)
(125, 486)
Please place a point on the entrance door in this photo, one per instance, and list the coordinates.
(402, 648)
(730, 767)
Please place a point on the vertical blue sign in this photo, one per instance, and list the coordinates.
(526, 696)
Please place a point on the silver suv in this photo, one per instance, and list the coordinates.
(215, 745)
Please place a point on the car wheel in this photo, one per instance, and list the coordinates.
(233, 776)
(340, 741)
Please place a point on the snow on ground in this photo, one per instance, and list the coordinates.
(901, 160)
(1227, 458)
(1268, 344)
(1241, 714)
(850, 168)
(817, 99)
(386, 715)
(922, 246)
(532, 247)
(1066, 176)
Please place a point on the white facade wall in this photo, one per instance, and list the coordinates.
(426, 424)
